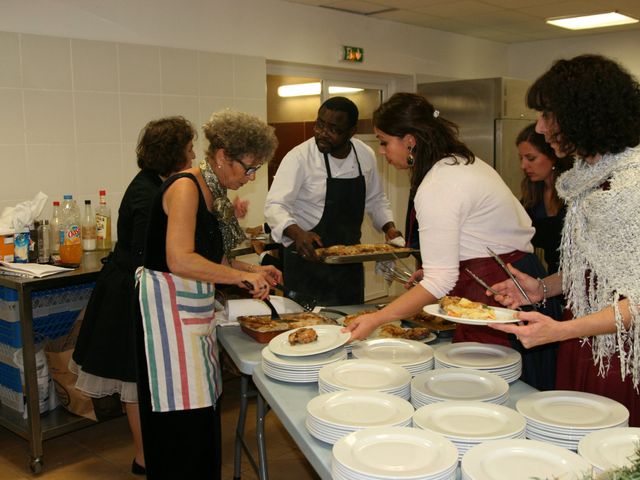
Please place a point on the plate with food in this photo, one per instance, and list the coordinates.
(309, 340)
(263, 328)
(395, 330)
(362, 252)
(463, 310)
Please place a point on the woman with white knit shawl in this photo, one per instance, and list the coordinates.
(591, 110)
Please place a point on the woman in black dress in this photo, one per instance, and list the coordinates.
(104, 354)
(191, 229)
(541, 169)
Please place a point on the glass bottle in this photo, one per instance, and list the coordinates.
(88, 228)
(103, 223)
(44, 241)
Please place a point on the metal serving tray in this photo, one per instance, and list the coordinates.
(369, 257)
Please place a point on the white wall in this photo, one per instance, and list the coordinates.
(79, 78)
(529, 60)
(273, 29)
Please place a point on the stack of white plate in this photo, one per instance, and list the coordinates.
(610, 448)
(410, 354)
(298, 369)
(563, 417)
(394, 453)
(365, 375)
(503, 361)
(331, 416)
(468, 424)
(517, 459)
(465, 384)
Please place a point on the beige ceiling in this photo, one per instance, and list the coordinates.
(507, 21)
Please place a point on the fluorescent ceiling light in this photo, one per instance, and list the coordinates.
(301, 89)
(337, 89)
(609, 19)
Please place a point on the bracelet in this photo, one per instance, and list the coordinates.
(544, 291)
(251, 267)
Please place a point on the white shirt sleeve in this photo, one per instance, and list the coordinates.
(281, 199)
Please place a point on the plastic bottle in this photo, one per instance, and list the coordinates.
(103, 223)
(55, 228)
(88, 227)
(71, 235)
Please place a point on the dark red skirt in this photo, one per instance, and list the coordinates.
(488, 270)
(577, 371)
(539, 363)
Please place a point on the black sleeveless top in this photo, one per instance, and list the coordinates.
(208, 237)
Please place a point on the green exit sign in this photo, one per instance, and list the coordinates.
(352, 54)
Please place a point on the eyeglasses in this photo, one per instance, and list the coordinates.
(248, 171)
(320, 125)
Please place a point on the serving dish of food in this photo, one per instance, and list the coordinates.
(395, 330)
(437, 325)
(362, 252)
(263, 328)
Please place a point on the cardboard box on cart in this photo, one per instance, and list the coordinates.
(6, 248)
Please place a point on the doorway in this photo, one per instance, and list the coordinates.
(293, 118)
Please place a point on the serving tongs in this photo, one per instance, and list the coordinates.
(391, 273)
(274, 313)
(511, 276)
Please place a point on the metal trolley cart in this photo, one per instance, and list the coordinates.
(44, 307)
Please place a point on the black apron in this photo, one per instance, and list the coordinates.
(340, 224)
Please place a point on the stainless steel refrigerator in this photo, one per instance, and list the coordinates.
(490, 113)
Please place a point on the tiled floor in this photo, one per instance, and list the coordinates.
(104, 451)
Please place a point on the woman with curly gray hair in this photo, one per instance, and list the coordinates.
(191, 230)
(591, 110)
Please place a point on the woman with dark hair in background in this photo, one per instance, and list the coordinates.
(591, 110)
(541, 169)
(462, 207)
(104, 355)
(192, 228)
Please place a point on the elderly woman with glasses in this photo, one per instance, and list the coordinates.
(191, 230)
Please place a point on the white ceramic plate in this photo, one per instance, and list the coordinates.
(572, 410)
(364, 374)
(503, 315)
(470, 420)
(395, 452)
(476, 355)
(459, 384)
(610, 448)
(517, 459)
(359, 409)
(303, 363)
(329, 337)
(393, 350)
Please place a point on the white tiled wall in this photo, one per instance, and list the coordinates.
(71, 110)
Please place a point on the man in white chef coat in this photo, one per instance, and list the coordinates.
(318, 198)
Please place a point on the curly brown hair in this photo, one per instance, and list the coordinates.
(595, 101)
(532, 192)
(436, 137)
(240, 134)
(162, 144)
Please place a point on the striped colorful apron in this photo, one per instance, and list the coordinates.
(180, 341)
